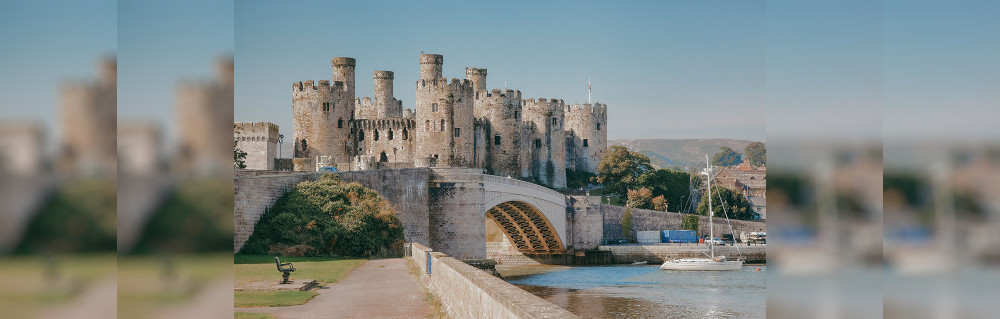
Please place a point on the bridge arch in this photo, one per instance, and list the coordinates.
(526, 227)
(532, 217)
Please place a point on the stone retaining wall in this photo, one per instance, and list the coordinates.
(253, 193)
(645, 219)
(659, 253)
(467, 292)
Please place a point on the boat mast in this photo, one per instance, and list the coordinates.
(711, 228)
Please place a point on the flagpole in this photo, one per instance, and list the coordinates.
(588, 90)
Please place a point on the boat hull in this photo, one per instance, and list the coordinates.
(702, 264)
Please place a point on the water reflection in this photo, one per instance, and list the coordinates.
(648, 292)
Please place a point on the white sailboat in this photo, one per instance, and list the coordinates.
(713, 262)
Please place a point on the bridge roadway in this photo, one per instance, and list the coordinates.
(444, 208)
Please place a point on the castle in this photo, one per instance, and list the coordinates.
(457, 123)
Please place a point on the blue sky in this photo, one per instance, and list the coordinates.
(43, 44)
(672, 69)
(680, 69)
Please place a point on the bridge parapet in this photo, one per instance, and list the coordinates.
(537, 190)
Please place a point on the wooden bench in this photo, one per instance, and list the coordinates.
(285, 268)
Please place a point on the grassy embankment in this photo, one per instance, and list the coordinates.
(324, 270)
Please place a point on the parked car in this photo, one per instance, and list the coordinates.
(615, 241)
(716, 241)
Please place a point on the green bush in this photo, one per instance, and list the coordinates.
(690, 222)
(332, 218)
(627, 224)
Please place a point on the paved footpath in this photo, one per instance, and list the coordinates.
(382, 288)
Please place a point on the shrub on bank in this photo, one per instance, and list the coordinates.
(328, 218)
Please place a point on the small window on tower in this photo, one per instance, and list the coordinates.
(376, 135)
(496, 140)
(361, 135)
(405, 134)
(434, 107)
(585, 143)
(515, 115)
(340, 123)
(555, 121)
(538, 143)
(427, 125)
(326, 107)
(390, 135)
(458, 132)
(442, 126)
(598, 126)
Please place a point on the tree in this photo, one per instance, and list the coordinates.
(732, 203)
(620, 169)
(672, 185)
(726, 157)
(690, 222)
(239, 157)
(640, 198)
(627, 223)
(756, 154)
(660, 203)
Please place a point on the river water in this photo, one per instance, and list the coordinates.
(648, 292)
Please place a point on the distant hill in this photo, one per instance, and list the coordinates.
(686, 153)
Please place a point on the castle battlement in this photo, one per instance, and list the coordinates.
(455, 84)
(343, 61)
(255, 131)
(324, 86)
(594, 109)
(544, 104)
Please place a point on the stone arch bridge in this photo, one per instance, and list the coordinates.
(442, 208)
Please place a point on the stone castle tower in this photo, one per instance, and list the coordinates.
(321, 116)
(454, 123)
(260, 141)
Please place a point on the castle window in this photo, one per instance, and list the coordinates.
(390, 135)
(538, 143)
(555, 121)
(585, 143)
(598, 126)
(458, 132)
(326, 107)
(442, 125)
(515, 115)
(404, 134)
(496, 140)
(340, 123)
(434, 107)
(361, 135)
(376, 135)
(427, 125)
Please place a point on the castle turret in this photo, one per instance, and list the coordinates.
(586, 135)
(444, 116)
(383, 105)
(430, 66)
(477, 77)
(545, 135)
(343, 71)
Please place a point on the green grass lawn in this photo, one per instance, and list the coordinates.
(269, 259)
(248, 315)
(262, 268)
(277, 298)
